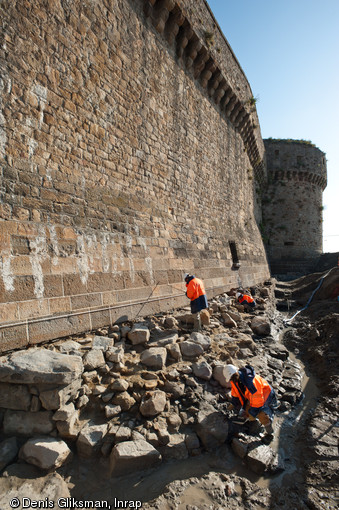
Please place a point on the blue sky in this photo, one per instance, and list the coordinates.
(289, 51)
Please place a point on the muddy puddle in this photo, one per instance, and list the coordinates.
(86, 484)
(289, 437)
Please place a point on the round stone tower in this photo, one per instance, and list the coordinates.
(292, 205)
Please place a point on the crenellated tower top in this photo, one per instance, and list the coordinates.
(297, 160)
(292, 204)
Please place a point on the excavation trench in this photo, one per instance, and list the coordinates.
(86, 483)
(300, 465)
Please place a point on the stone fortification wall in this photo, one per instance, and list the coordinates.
(130, 152)
(292, 205)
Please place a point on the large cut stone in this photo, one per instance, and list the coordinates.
(70, 347)
(245, 341)
(123, 434)
(191, 349)
(153, 403)
(175, 388)
(234, 315)
(90, 439)
(55, 398)
(102, 342)
(15, 396)
(211, 427)
(202, 370)
(111, 410)
(94, 359)
(279, 351)
(8, 451)
(67, 422)
(46, 453)
(115, 354)
(163, 341)
(40, 366)
(23, 423)
(205, 317)
(119, 385)
(228, 321)
(174, 421)
(259, 459)
(139, 334)
(219, 374)
(174, 351)
(201, 339)
(260, 326)
(124, 400)
(192, 441)
(155, 357)
(175, 449)
(64, 413)
(239, 447)
(130, 456)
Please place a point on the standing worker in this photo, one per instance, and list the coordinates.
(246, 301)
(196, 293)
(252, 396)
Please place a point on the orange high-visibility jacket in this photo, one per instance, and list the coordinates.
(247, 298)
(196, 293)
(237, 393)
(195, 289)
(256, 399)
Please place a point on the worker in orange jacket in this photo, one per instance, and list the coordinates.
(252, 396)
(195, 291)
(246, 300)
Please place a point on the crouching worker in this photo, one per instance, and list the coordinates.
(252, 396)
(196, 293)
(246, 301)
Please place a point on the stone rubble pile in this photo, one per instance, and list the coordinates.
(139, 393)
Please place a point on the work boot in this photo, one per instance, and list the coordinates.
(268, 438)
(269, 428)
(254, 428)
